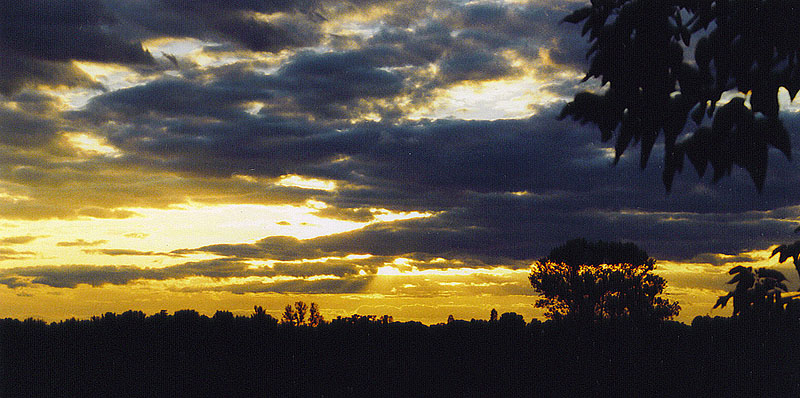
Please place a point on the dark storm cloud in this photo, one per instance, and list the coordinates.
(171, 97)
(357, 215)
(421, 240)
(17, 71)
(531, 29)
(396, 164)
(29, 120)
(475, 66)
(39, 38)
(466, 42)
(337, 268)
(70, 276)
(718, 259)
(515, 232)
(65, 30)
(293, 23)
(329, 83)
(199, 125)
(284, 248)
(423, 45)
(325, 85)
(568, 189)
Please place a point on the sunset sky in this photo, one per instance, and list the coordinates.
(373, 156)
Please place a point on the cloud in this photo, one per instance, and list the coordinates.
(128, 252)
(357, 215)
(506, 191)
(10, 254)
(70, 276)
(98, 212)
(65, 30)
(721, 259)
(475, 66)
(507, 188)
(12, 282)
(18, 240)
(29, 120)
(40, 38)
(328, 84)
(82, 242)
(322, 286)
(284, 248)
(289, 23)
(17, 72)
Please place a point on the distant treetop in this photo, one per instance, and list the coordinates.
(588, 281)
(582, 252)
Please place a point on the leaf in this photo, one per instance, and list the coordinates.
(686, 36)
(702, 54)
(737, 269)
(648, 140)
(771, 273)
(722, 301)
(776, 135)
(626, 133)
(698, 149)
(698, 113)
(578, 15)
(786, 251)
(765, 100)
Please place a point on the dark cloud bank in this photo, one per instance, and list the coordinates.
(503, 191)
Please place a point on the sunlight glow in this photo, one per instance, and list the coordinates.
(293, 180)
(4, 196)
(92, 145)
(384, 215)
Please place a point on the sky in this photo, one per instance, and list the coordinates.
(375, 157)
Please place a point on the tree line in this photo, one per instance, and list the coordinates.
(188, 354)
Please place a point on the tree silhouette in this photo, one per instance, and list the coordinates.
(314, 317)
(665, 66)
(493, 315)
(600, 280)
(791, 250)
(289, 316)
(300, 312)
(756, 291)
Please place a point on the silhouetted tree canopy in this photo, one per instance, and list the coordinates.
(600, 280)
(289, 316)
(300, 312)
(665, 66)
(314, 316)
(787, 251)
(756, 291)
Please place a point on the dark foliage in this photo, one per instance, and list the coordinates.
(787, 251)
(587, 281)
(756, 292)
(190, 355)
(666, 65)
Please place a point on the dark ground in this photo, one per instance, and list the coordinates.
(189, 355)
